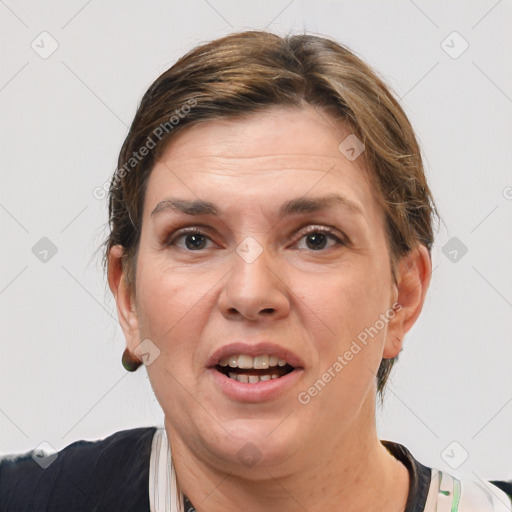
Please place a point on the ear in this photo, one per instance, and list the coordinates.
(126, 311)
(413, 280)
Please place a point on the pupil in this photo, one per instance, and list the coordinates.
(318, 240)
(198, 239)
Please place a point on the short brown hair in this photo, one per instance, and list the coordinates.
(249, 71)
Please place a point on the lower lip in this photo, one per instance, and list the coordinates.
(261, 391)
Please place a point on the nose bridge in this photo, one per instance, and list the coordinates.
(253, 286)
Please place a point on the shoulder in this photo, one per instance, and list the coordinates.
(432, 489)
(468, 494)
(107, 474)
(504, 485)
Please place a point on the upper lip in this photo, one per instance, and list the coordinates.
(254, 349)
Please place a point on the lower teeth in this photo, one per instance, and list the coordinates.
(240, 377)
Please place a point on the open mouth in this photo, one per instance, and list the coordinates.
(248, 369)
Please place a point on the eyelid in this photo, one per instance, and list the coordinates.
(175, 234)
(330, 231)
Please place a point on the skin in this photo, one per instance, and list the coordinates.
(315, 302)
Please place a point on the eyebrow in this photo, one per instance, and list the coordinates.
(294, 206)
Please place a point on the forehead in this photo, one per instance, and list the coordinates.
(279, 153)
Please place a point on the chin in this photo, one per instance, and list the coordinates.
(252, 444)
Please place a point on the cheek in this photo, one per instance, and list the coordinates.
(350, 341)
(347, 302)
(172, 313)
(167, 298)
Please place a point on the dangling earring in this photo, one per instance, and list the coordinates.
(130, 362)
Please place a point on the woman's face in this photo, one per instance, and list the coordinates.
(263, 279)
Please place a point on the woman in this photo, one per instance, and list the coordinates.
(271, 229)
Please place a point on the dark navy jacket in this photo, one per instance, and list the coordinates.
(112, 475)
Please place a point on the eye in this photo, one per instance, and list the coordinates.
(194, 239)
(317, 237)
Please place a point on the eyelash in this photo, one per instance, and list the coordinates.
(308, 231)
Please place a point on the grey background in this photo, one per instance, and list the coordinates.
(65, 117)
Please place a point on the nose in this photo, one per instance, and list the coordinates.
(254, 289)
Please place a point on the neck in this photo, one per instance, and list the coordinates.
(352, 473)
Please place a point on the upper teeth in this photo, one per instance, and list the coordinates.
(248, 362)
